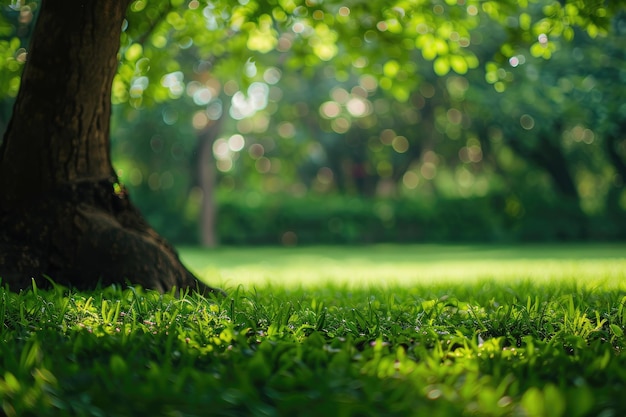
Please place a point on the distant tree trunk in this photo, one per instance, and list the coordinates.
(206, 181)
(63, 213)
(207, 178)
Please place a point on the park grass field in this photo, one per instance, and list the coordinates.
(408, 265)
(421, 330)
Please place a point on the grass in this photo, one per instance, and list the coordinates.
(378, 331)
(392, 265)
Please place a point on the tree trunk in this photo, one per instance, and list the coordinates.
(206, 181)
(63, 213)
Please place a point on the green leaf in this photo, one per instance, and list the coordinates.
(458, 64)
(554, 400)
(537, 50)
(441, 66)
(118, 365)
(428, 46)
(14, 44)
(533, 403)
(441, 46)
(391, 68)
(12, 382)
(133, 52)
(525, 21)
(617, 330)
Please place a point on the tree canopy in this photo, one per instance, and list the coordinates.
(403, 92)
(378, 38)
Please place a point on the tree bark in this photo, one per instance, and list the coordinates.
(63, 213)
(206, 181)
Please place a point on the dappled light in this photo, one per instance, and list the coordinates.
(312, 208)
(174, 83)
(430, 102)
(489, 345)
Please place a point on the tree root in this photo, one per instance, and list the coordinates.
(88, 234)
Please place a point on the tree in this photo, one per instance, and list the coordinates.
(63, 212)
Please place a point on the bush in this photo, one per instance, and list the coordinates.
(338, 219)
(255, 219)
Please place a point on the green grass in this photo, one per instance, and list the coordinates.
(390, 265)
(369, 331)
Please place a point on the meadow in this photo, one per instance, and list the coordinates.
(428, 330)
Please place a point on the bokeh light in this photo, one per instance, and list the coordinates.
(400, 144)
(410, 180)
(236, 143)
(527, 121)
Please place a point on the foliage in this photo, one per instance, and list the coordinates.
(318, 32)
(15, 31)
(459, 100)
(480, 347)
(252, 218)
(516, 130)
(353, 220)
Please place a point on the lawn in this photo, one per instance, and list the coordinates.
(408, 265)
(333, 331)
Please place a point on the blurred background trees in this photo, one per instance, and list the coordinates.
(287, 122)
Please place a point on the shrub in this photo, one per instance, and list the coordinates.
(255, 219)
